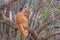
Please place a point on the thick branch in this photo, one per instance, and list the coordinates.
(8, 22)
(13, 25)
(10, 1)
(52, 34)
(6, 4)
(31, 31)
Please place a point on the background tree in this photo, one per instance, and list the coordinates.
(44, 21)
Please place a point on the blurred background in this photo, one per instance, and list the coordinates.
(42, 11)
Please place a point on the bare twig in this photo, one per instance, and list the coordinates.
(52, 34)
(11, 1)
(13, 25)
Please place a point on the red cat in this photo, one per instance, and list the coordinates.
(22, 21)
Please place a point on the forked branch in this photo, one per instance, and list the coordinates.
(13, 25)
(52, 34)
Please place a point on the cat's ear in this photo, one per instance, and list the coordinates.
(26, 12)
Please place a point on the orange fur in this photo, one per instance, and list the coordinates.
(22, 21)
(26, 12)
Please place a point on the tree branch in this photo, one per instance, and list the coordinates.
(31, 31)
(52, 34)
(6, 4)
(8, 22)
(43, 25)
(13, 25)
(10, 1)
